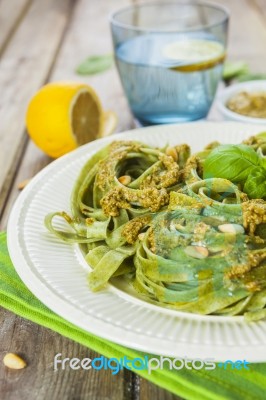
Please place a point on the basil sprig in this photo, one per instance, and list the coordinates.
(242, 164)
(232, 162)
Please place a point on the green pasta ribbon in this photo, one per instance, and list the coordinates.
(183, 242)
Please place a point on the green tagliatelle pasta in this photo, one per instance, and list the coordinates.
(183, 242)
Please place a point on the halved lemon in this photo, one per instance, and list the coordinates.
(64, 115)
(193, 54)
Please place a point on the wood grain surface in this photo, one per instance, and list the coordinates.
(10, 18)
(25, 65)
(41, 41)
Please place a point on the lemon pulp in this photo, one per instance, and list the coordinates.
(86, 117)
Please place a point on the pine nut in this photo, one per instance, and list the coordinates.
(13, 361)
(231, 228)
(125, 180)
(171, 151)
(141, 236)
(22, 184)
(197, 251)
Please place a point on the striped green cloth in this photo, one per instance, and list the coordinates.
(217, 384)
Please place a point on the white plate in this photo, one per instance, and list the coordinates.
(56, 272)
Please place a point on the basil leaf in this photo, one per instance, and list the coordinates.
(234, 69)
(262, 162)
(255, 185)
(95, 64)
(259, 144)
(251, 77)
(233, 162)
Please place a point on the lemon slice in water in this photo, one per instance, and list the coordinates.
(193, 54)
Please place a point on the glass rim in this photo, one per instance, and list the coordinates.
(114, 22)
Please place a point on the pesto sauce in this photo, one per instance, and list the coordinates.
(249, 104)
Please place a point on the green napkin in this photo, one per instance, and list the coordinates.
(189, 384)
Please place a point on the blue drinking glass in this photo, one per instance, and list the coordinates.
(170, 58)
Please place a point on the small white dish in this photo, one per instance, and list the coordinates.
(226, 94)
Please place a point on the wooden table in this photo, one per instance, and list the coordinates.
(41, 41)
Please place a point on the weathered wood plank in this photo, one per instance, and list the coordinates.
(261, 6)
(24, 66)
(149, 390)
(10, 17)
(89, 34)
(247, 34)
(39, 380)
(33, 161)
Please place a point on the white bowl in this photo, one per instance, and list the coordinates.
(226, 94)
